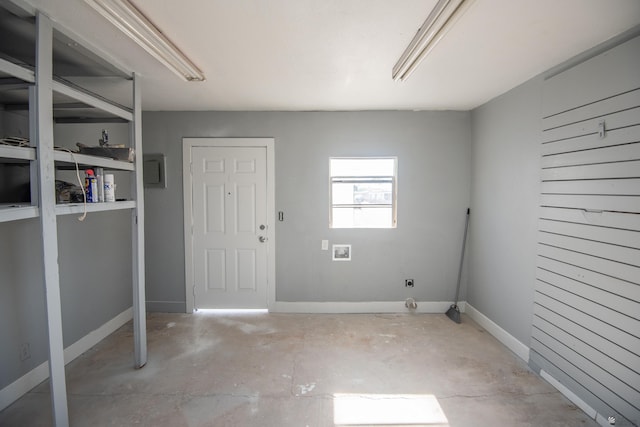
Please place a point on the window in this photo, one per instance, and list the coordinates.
(363, 192)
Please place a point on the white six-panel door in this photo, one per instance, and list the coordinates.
(229, 228)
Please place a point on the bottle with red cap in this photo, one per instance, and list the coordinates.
(91, 186)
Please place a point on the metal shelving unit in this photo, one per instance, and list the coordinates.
(34, 83)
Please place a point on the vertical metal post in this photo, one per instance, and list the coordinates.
(46, 192)
(137, 232)
(33, 136)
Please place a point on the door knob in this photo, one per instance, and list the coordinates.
(262, 239)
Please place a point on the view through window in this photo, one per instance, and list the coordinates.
(363, 192)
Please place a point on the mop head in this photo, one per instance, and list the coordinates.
(453, 313)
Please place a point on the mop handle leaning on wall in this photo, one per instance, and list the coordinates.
(454, 312)
(464, 242)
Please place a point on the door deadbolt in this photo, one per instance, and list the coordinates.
(262, 226)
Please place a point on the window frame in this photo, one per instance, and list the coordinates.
(366, 179)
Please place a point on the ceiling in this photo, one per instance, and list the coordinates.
(300, 55)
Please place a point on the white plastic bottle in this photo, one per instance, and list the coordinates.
(109, 188)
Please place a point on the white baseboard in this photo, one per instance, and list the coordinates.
(22, 385)
(94, 337)
(361, 307)
(511, 342)
(573, 397)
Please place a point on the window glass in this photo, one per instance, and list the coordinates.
(363, 192)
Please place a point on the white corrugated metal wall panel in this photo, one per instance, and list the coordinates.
(586, 325)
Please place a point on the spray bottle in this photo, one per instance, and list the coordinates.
(91, 186)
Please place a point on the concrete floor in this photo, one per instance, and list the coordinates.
(303, 370)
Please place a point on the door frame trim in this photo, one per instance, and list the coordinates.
(187, 145)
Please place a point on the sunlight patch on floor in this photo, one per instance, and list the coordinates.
(387, 410)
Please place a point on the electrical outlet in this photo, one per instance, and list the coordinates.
(408, 283)
(25, 351)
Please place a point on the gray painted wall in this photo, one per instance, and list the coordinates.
(433, 150)
(13, 124)
(22, 317)
(95, 283)
(504, 208)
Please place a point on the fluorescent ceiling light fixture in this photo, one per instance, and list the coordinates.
(443, 16)
(133, 23)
